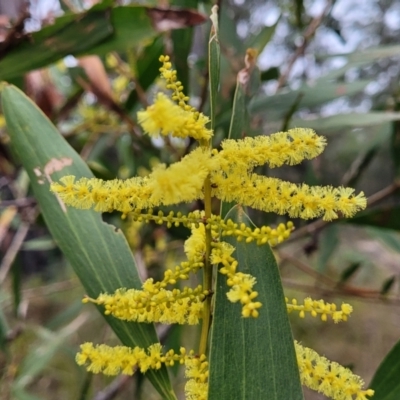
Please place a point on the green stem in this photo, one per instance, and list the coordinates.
(207, 272)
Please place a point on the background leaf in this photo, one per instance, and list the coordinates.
(70, 34)
(98, 252)
(387, 217)
(96, 31)
(277, 106)
(386, 382)
(350, 120)
(214, 54)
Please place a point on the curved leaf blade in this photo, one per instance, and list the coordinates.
(98, 253)
(253, 358)
(386, 381)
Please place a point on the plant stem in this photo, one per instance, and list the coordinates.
(207, 272)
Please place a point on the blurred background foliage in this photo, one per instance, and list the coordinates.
(90, 66)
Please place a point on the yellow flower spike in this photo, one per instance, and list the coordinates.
(126, 360)
(196, 371)
(241, 284)
(173, 84)
(329, 378)
(153, 304)
(195, 245)
(103, 195)
(165, 118)
(280, 148)
(274, 195)
(315, 307)
(261, 235)
(182, 181)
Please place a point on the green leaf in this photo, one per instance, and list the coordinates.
(21, 394)
(277, 106)
(247, 83)
(232, 43)
(4, 330)
(386, 382)
(269, 74)
(70, 34)
(361, 164)
(182, 42)
(329, 241)
(253, 358)
(147, 67)
(214, 52)
(39, 244)
(395, 148)
(265, 35)
(386, 217)
(131, 26)
(387, 285)
(349, 272)
(361, 58)
(388, 237)
(41, 355)
(97, 31)
(97, 251)
(299, 11)
(350, 120)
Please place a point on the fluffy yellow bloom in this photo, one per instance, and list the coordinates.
(125, 360)
(181, 182)
(195, 246)
(196, 371)
(275, 195)
(104, 196)
(328, 377)
(280, 148)
(154, 305)
(166, 118)
(319, 307)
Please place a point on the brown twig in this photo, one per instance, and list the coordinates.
(17, 242)
(6, 219)
(332, 286)
(306, 269)
(308, 34)
(385, 192)
(13, 250)
(22, 202)
(113, 389)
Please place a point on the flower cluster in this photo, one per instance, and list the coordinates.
(228, 175)
(316, 372)
(167, 118)
(154, 305)
(229, 170)
(230, 179)
(329, 378)
(126, 360)
(241, 284)
(315, 307)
